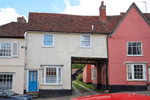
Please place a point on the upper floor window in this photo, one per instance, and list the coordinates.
(85, 41)
(93, 74)
(134, 48)
(136, 72)
(7, 51)
(48, 40)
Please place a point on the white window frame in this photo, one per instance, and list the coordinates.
(90, 39)
(57, 72)
(12, 78)
(10, 48)
(132, 68)
(43, 39)
(93, 74)
(137, 54)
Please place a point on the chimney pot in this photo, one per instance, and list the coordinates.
(122, 13)
(21, 19)
(102, 12)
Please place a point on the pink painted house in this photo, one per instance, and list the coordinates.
(128, 65)
(128, 50)
(95, 75)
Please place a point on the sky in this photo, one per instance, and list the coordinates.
(11, 9)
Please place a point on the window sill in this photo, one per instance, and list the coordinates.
(86, 47)
(134, 55)
(52, 84)
(137, 80)
(5, 57)
(47, 46)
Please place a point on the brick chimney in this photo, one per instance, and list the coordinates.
(102, 12)
(21, 19)
(122, 13)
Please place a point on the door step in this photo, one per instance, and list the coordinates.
(33, 94)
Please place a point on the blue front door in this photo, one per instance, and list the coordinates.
(33, 80)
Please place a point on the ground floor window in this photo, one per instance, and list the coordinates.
(93, 74)
(52, 74)
(136, 72)
(6, 81)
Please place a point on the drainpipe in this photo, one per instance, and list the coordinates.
(106, 62)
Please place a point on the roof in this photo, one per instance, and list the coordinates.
(74, 70)
(52, 22)
(146, 16)
(13, 29)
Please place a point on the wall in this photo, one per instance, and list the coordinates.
(18, 61)
(15, 65)
(132, 28)
(66, 45)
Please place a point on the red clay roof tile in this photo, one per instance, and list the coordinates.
(13, 29)
(70, 23)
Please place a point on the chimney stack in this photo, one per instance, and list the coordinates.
(122, 13)
(102, 12)
(21, 19)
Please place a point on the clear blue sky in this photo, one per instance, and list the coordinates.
(23, 7)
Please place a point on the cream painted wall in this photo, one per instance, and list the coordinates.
(9, 64)
(18, 77)
(18, 61)
(66, 45)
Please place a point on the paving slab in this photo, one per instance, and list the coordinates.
(77, 92)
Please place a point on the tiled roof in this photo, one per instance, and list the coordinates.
(70, 23)
(13, 29)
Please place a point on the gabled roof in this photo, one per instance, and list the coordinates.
(52, 22)
(146, 17)
(13, 29)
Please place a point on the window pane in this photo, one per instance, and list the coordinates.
(129, 71)
(5, 49)
(35, 76)
(134, 50)
(48, 40)
(129, 50)
(129, 44)
(43, 75)
(51, 76)
(85, 40)
(139, 50)
(31, 76)
(6, 81)
(48, 43)
(139, 44)
(138, 71)
(133, 43)
(59, 75)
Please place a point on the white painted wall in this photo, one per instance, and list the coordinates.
(65, 46)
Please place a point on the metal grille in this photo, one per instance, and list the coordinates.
(6, 81)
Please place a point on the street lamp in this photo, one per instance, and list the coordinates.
(145, 6)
